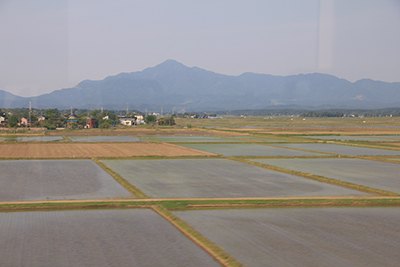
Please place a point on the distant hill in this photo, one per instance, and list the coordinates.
(174, 85)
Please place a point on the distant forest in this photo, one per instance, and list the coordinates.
(385, 112)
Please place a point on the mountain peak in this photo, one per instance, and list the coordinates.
(171, 63)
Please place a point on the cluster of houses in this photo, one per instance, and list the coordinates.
(90, 122)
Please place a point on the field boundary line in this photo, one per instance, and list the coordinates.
(200, 203)
(131, 188)
(212, 249)
(66, 138)
(304, 150)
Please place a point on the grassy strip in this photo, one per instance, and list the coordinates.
(323, 179)
(301, 149)
(66, 138)
(131, 188)
(205, 203)
(270, 203)
(215, 251)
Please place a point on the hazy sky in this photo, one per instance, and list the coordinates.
(50, 45)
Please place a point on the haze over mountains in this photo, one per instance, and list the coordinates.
(176, 86)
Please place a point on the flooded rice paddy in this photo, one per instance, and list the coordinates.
(56, 179)
(192, 139)
(31, 139)
(260, 138)
(344, 150)
(95, 238)
(217, 178)
(105, 139)
(351, 138)
(376, 174)
(249, 150)
(303, 236)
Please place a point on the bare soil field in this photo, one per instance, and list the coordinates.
(70, 150)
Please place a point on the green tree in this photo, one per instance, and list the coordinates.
(170, 120)
(112, 116)
(162, 121)
(104, 125)
(12, 121)
(52, 114)
(167, 121)
(150, 119)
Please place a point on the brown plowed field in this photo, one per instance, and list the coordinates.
(67, 150)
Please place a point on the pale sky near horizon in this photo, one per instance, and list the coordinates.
(49, 45)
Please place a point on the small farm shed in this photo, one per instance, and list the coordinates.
(90, 122)
(41, 118)
(70, 120)
(24, 121)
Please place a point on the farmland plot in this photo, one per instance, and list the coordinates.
(380, 175)
(348, 138)
(217, 178)
(87, 150)
(391, 137)
(344, 150)
(95, 238)
(303, 236)
(259, 138)
(105, 139)
(191, 139)
(249, 150)
(56, 179)
(31, 139)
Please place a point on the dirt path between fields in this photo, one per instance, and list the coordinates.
(191, 199)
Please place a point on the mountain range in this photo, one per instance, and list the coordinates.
(178, 87)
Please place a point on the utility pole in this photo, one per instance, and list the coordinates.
(146, 112)
(162, 112)
(30, 111)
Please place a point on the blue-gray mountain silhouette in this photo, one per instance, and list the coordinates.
(173, 84)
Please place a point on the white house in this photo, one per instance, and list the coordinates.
(139, 119)
(128, 121)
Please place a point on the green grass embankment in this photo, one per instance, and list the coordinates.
(131, 188)
(206, 203)
(215, 251)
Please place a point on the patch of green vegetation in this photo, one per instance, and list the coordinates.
(217, 252)
(183, 204)
(66, 138)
